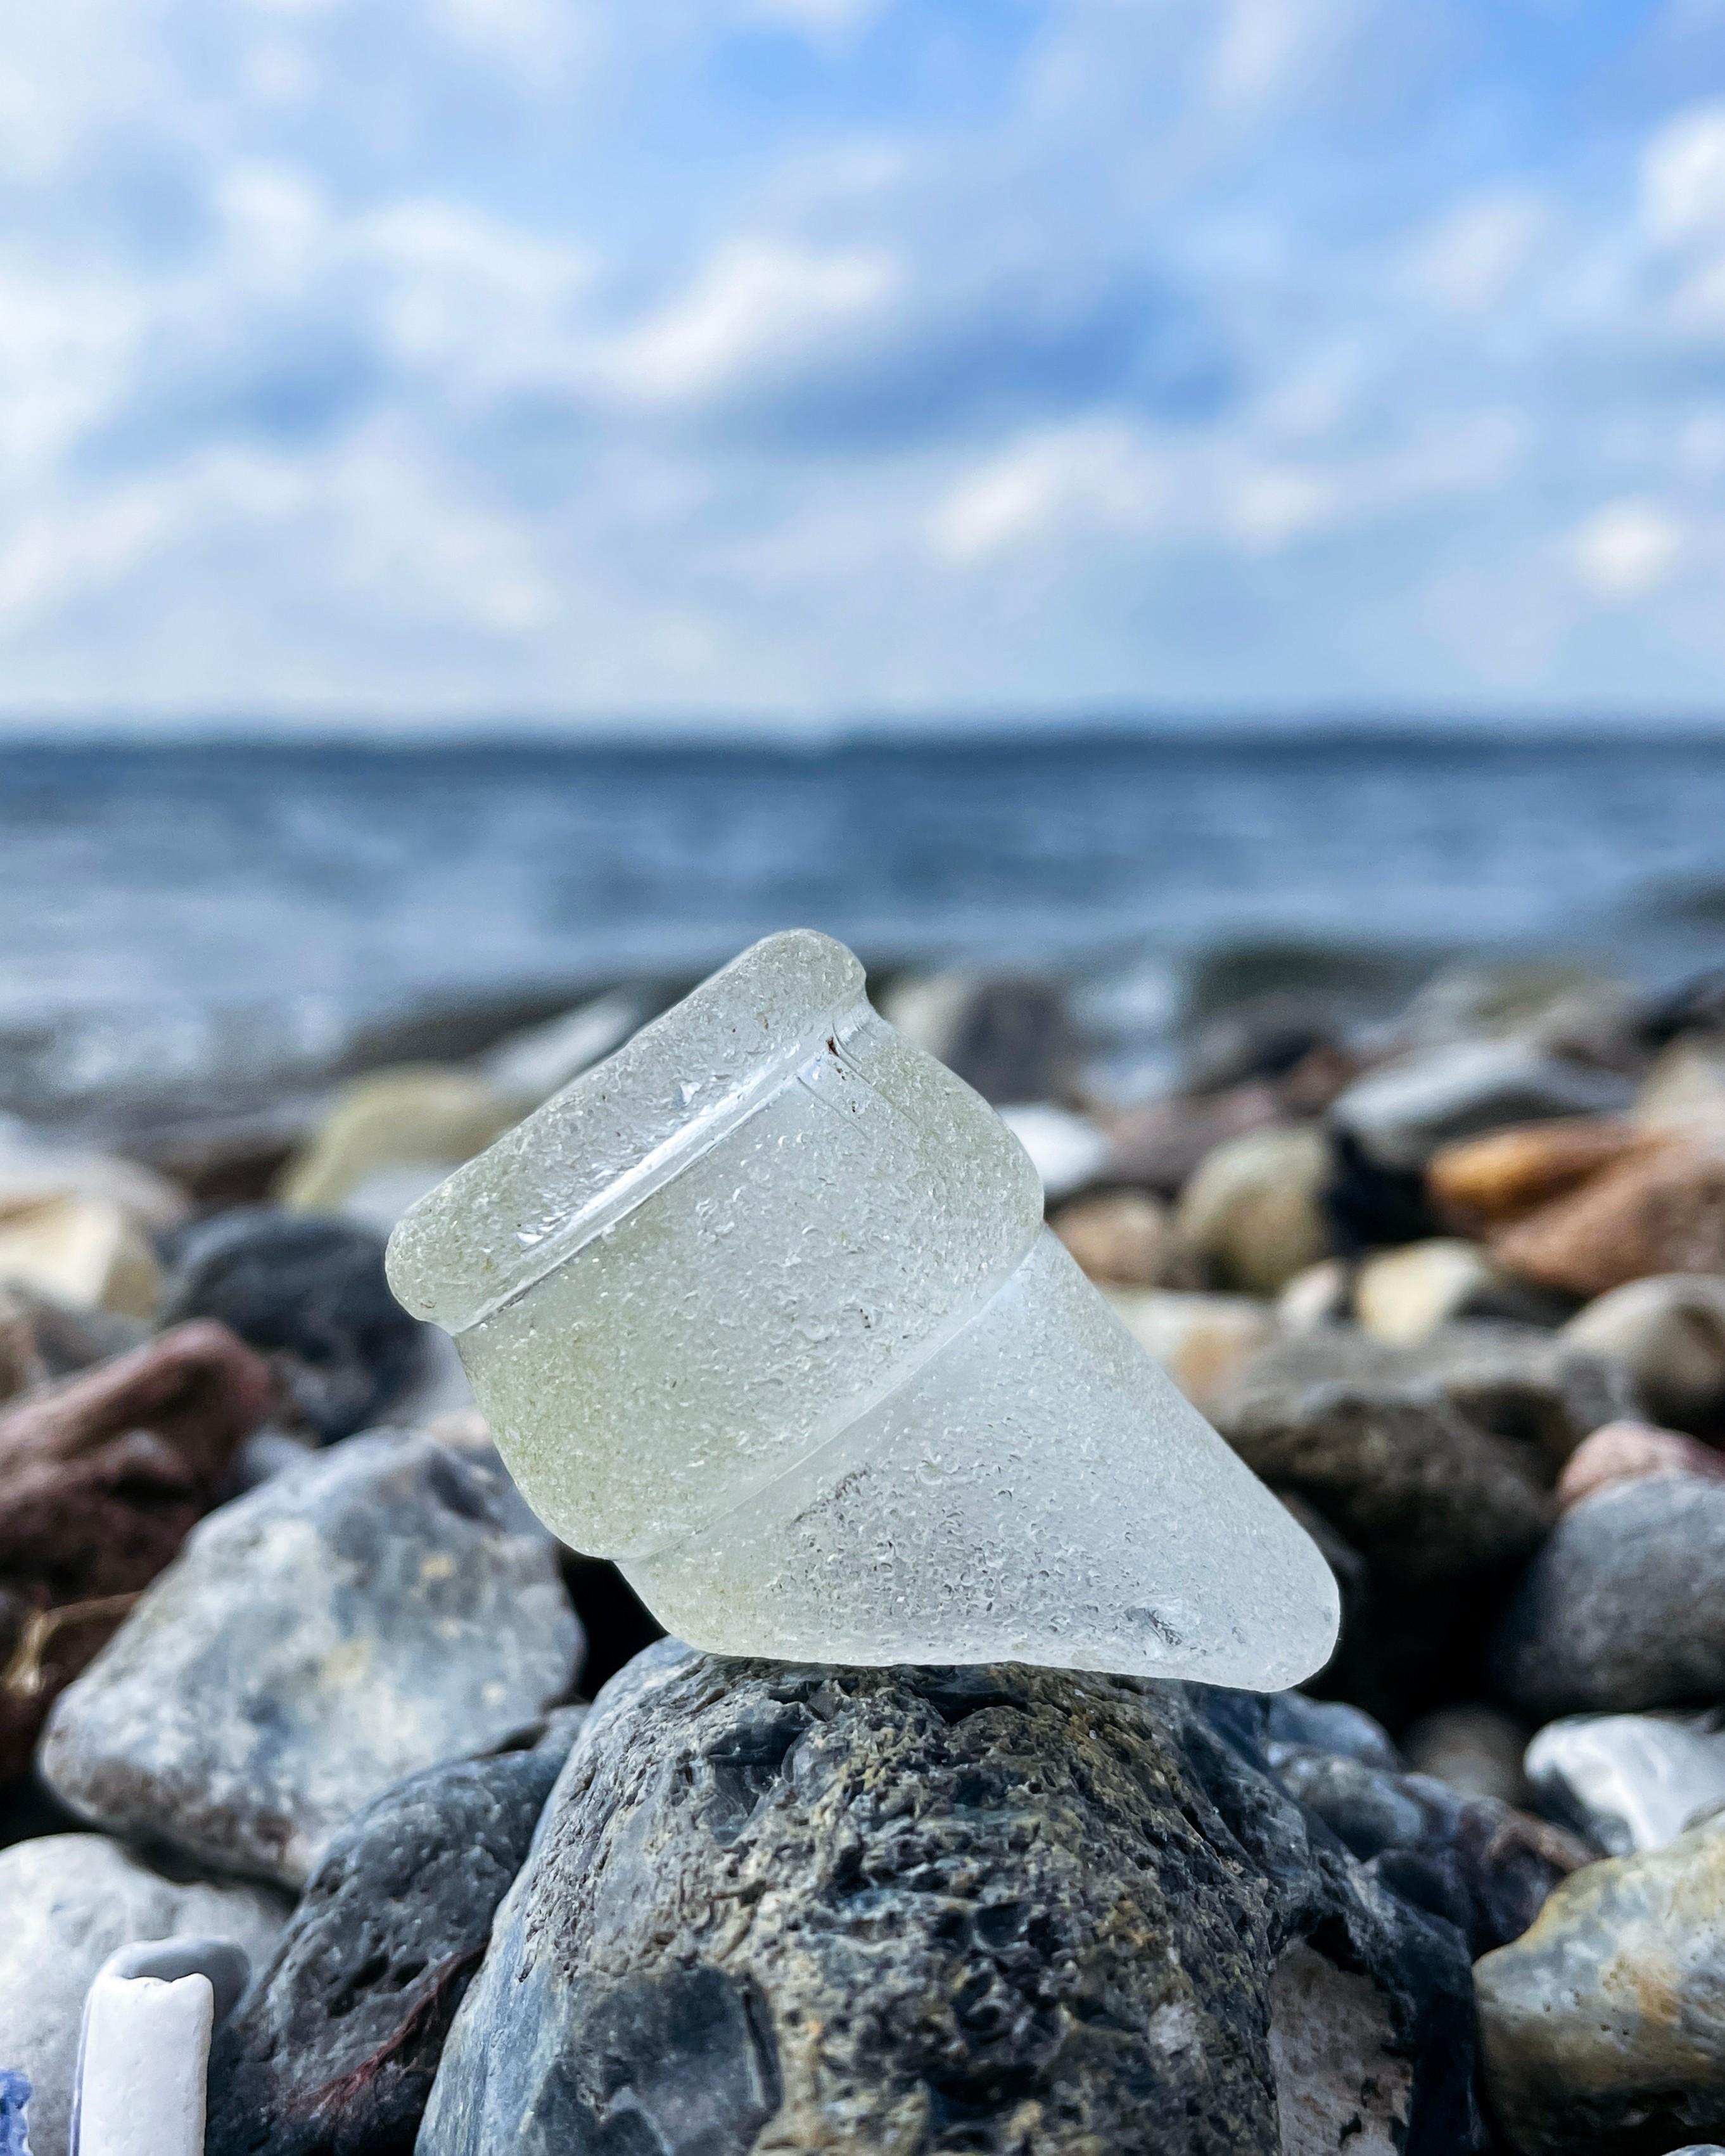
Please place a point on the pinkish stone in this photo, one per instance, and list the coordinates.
(1623, 1451)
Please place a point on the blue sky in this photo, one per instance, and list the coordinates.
(790, 362)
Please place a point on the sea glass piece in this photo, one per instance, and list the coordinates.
(143, 2049)
(762, 1308)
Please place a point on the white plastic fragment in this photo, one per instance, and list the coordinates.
(143, 2055)
(762, 1308)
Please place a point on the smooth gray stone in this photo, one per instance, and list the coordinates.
(348, 1623)
(1600, 2027)
(67, 1902)
(1400, 1115)
(1475, 1749)
(1668, 1331)
(784, 1907)
(308, 1292)
(1629, 1781)
(336, 2044)
(1432, 1460)
(1624, 1606)
(1292, 1720)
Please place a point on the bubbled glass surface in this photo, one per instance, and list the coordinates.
(1040, 1491)
(762, 1307)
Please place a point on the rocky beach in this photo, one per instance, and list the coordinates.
(285, 1661)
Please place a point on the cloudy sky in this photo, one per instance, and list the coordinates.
(789, 361)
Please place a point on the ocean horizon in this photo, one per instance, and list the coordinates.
(286, 894)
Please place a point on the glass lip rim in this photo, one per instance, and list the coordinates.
(837, 990)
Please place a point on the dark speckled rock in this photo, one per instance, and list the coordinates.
(333, 2049)
(350, 1621)
(1436, 1464)
(998, 1910)
(310, 1295)
(1484, 1865)
(1436, 1460)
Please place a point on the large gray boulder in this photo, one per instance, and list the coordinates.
(350, 1621)
(920, 1910)
(66, 1902)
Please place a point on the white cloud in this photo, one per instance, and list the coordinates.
(1264, 50)
(544, 47)
(1098, 472)
(1626, 549)
(828, 21)
(51, 559)
(1109, 348)
(1683, 176)
(1469, 258)
(757, 310)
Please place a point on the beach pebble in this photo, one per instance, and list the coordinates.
(85, 1251)
(310, 1294)
(1538, 1000)
(101, 1477)
(1404, 1112)
(339, 2037)
(1629, 1781)
(1474, 1861)
(36, 1167)
(1401, 1296)
(1527, 1386)
(1067, 1150)
(1487, 1182)
(1370, 1436)
(41, 1339)
(1668, 1331)
(1620, 1451)
(1251, 1212)
(863, 1909)
(1685, 1090)
(1322, 1294)
(1118, 1236)
(1292, 1720)
(1600, 2026)
(1658, 1211)
(1624, 1606)
(347, 1623)
(14, 2113)
(1158, 1145)
(1010, 1035)
(1202, 1341)
(67, 1902)
(420, 1119)
(527, 1067)
(1293, 1042)
(1475, 1749)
